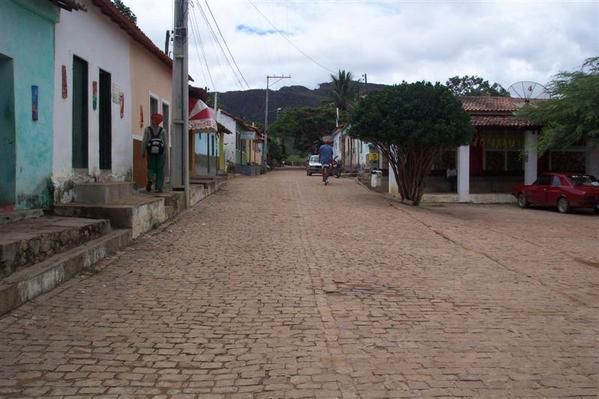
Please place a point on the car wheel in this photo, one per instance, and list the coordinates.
(563, 206)
(522, 202)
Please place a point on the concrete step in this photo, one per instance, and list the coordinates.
(15, 216)
(103, 193)
(140, 213)
(31, 241)
(42, 277)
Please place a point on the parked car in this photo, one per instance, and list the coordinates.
(313, 165)
(563, 190)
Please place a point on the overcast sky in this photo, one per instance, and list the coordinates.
(390, 40)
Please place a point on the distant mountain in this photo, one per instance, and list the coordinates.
(249, 104)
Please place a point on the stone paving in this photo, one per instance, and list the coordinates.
(279, 287)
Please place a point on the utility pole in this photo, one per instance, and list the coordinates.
(365, 76)
(180, 149)
(268, 77)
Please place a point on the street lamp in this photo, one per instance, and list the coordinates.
(268, 77)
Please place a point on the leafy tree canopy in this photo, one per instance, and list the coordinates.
(411, 123)
(125, 10)
(301, 127)
(344, 91)
(474, 86)
(572, 113)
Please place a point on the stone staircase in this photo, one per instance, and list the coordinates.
(37, 255)
(127, 208)
(117, 202)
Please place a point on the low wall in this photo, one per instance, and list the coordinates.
(478, 184)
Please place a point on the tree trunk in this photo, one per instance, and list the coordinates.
(410, 164)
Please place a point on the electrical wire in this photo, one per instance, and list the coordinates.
(226, 45)
(208, 38)
(289, 40)
(215, 38)
(199, 43)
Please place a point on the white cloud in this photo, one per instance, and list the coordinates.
(502, 41)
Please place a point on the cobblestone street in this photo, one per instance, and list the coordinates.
(279, 287)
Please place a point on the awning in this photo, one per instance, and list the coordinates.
(201, 116)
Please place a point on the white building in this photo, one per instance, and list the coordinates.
(230, 140)
(92, 124)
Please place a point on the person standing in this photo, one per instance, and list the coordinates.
(153, 145)
(452, 178)
(325, 157)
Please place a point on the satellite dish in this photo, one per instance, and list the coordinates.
(526, 90)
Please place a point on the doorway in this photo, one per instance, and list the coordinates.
(80, 114)
(105, 121)
(7, 134)
(167, 128)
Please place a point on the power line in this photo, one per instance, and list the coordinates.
(215, 38)
(226, 45)
(198, 37)
(289, 40)
(210, 38)
(197, 45)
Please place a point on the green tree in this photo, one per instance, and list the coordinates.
(474, 86)
(276, 151)
(302, 126)
(571, 115)
(345, 91)
(411, 124)
(125, 10)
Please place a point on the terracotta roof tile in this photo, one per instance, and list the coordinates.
(491, 104)
(500, 121)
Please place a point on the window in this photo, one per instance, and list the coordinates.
(544, 180)
(555, 181)
(503, 151)
(153, 105)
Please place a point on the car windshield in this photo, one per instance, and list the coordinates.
(583, 180)
(314, 158)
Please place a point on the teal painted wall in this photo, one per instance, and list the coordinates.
(27, 36)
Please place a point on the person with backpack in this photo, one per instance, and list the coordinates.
(325, 157)
(154, 144)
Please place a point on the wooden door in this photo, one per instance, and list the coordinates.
(7, 134)
(80, 134)
(105, 121)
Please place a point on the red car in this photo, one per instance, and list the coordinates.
(564, 190)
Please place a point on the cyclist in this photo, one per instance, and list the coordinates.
(325, 155)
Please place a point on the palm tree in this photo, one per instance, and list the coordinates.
(345, 90)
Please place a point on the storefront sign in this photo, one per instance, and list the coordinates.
(247, 135)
